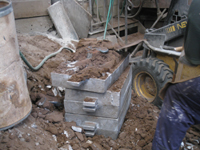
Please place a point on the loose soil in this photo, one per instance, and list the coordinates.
(117, 86)
(45, 128)
(89, 62)
(87, 99)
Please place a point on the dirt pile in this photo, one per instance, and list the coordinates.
(90, 62)
(45, 128)
(117, 86)
(35, 48)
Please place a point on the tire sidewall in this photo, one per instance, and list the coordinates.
(157, 101)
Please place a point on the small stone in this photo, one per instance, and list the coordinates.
(77, 129)
(89, 142)
(34, 114)
(70, 133)
(122, 135)
(112, 143)
(54, 117)
(33, 126)
(27, 139)
(66, 133)
(48, 86)
(44, 111)
(54, 137)
(85, 145)
(66, 147)
(36, 144)
(141, 143)
(61, 89)
(80, 136)
(52, 130)
(147, 147)
(40, 115)
(54, 90)
(76, 141)
(75, 147)
(96, 146)
(12, 136)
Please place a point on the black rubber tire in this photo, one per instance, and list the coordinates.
(157, 70)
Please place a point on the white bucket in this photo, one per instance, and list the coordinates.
(15, 103)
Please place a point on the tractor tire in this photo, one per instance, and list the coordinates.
(149, 77)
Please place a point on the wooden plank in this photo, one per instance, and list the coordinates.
(79, 17)
(62, 22)
(30, 8)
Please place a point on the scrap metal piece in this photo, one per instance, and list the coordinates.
(62, 22)
(109, 103)
(76, 84)
(93, 84)
(80, 18)
(90, 128)
(109, 127)
(90, 104)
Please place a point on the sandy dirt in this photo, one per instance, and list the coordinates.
(117, 86)
(45, 128)
(90, 62)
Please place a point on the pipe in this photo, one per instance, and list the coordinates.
(109, 16)
(161, 50)
(160, 16)
(126, 23)
(43, 61)
(158, 9)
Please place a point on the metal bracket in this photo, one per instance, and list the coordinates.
(90, 104)
(90, 128)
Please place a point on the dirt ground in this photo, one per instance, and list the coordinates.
(46, 129)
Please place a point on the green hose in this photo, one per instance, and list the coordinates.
(109, 16)
(123, 7)
(43, 61)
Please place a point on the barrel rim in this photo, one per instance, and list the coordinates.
(6, 9)
(17, 122)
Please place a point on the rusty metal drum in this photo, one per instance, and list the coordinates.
(15, 103)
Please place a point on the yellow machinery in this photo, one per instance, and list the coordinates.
(161, 47)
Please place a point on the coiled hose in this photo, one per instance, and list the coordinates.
(43, 61)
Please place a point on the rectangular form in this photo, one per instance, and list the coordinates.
(30, 8)
(108, 103)
(108, 127)
(62, 22)
(79, 17)
(92, 84)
